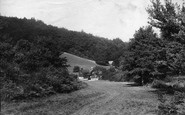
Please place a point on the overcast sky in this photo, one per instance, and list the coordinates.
(105, 18)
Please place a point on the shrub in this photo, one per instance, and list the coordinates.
(118, 76)
(74, 76)
(169, 86)
(61, 81)
(179, 86)
(125, 75)
(160, 84)
(100, 72)
(104, 63)
(99, 68)
(10, 90)
(111, 74)
(173, 105)
(76, 69)
(45, 82)
(85, 73)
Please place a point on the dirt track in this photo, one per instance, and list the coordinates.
(99, 98)
(119, 98)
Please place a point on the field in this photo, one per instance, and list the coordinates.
(74, 60)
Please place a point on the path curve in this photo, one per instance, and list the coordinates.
(120, 98)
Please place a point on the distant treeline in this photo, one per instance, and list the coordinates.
(82, 44)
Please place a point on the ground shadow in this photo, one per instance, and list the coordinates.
(133, 85)
(163, 91)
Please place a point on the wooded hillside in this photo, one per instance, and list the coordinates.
(79, 43)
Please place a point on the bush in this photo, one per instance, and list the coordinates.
(160, 84)
(10, 90)
(140, 76)
(104, 63)
(100, 72)
(86, 73)
(30, 70)
(99, 68)
(125, 75)
(74, 76)
(179, 86)
(118, 76)
(111, 74)
(76, 69)
(170, 86)
(47, 81)
(61, 81)
(174, 105)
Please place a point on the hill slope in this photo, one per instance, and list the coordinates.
(74, 60)
(79, 43)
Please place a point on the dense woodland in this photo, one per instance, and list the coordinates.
(30, 49)
(78, 43)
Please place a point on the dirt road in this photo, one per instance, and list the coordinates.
(119, 98)
(99, 98)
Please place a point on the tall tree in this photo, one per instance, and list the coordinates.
(168, 17)
(143, 51)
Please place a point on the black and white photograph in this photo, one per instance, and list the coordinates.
(92, 57)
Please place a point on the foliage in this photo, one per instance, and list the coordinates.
(171, 105)
(109, 75)
(33, 69)
(106, 74)
(104, 63)
(117, 76)
(112, 74)
(86, 73)
(78, 43)
(149, 56)
(159, 84)
(76, 69)
(141, 54)
(36, 45)
(100, 71)
(171, 97)
(169, 18)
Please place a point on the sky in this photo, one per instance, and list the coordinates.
(105, 18)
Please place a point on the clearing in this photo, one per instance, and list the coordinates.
(74, 60)
(99, 98)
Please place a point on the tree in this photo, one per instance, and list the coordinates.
(141, 54)
(168, 17)
(76, 69)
